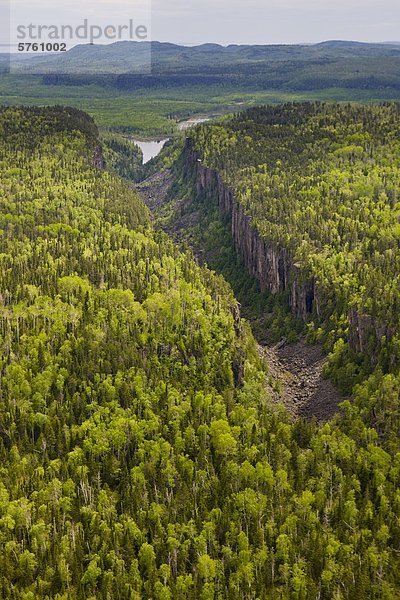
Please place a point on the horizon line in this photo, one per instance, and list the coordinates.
(219, 44)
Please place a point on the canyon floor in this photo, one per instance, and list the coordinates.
(154, 189)
(303, 389)
(298, 367)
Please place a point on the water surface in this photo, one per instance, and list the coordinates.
(183, 125)
(150, 148)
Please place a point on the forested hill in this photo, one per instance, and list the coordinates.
(335, 64)
(315, 213)
(140, 457)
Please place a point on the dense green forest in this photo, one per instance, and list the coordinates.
(141, 457)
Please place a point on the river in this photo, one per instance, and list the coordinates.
(152, 148)
(183, 125)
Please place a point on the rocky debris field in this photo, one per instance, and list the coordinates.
(154, 189)
(299, 369)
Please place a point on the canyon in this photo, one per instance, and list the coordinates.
(297, 367)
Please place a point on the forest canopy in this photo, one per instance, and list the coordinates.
(141, 456)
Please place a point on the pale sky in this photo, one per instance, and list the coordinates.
(228, 21)
(275, 21)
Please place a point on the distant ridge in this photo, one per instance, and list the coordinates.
(344, 44)
(330, 64)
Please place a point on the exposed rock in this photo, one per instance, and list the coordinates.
(304, 390)
(98, 160)
(366, 334)
(154, 189)
(298, 367)
(271, 264)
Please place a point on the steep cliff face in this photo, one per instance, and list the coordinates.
(271, 264)
(98, 160)
(368, 335)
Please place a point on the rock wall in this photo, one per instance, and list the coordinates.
(368, 335)
(98, 160)
(271, 264)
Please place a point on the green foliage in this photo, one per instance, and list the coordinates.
(122, 156)
(140, 457)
